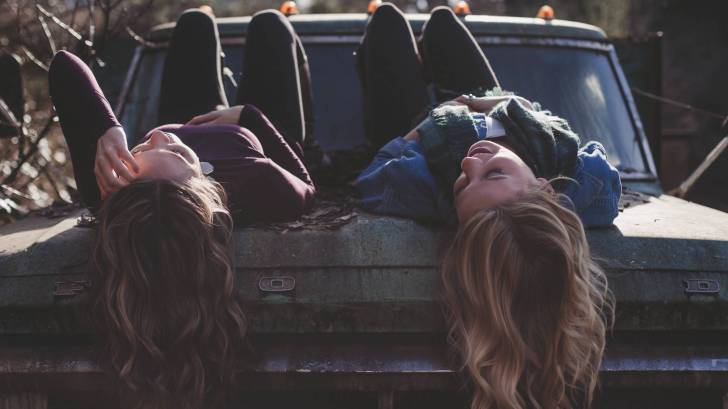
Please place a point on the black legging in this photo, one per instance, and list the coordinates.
(191, 85)
(394, 75)
(275, 76)
(191, 80)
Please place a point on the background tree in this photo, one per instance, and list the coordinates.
(35, 168)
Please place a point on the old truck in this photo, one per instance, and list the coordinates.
(344, 305)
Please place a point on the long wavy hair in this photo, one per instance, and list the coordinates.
(163, 298)
(527, 306)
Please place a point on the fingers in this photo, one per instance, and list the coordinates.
(453, 102)
(127, 157)
(108, 155)
(111, 182)
(100, 181)
(202, 119)
(119, 167)
(526, 103)
(482, 104)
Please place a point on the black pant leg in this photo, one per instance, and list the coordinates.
(84, 114)
(391, 76)
(452, 58)
(271, 76)
(192, 79)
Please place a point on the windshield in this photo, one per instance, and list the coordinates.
(577, 84)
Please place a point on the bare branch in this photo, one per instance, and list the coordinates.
(73, 13)
(34, 59)
(15, 192)
(91, 22)
(139, 39)
(24, 156)
(104, 29)
(75, 34)
(35, 28)
(47, 33)
(44, 171)
(7, 113)
(139, 12)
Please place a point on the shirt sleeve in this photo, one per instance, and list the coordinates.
(274, 145)
(392, 150)
(596, 187)
(268, 192)
(81, 105)
(85, 115)
(398, 183)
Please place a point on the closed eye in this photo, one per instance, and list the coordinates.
(182, 154)
(495, 173)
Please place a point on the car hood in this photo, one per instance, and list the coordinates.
(379, 274)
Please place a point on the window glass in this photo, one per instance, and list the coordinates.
(578, 85)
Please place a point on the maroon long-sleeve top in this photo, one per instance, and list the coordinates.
(262, 176)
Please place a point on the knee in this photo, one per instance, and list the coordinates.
(60, 61)
(442, 16)
(387, 13)
(270, 24)
(194, 19)
(62, 68)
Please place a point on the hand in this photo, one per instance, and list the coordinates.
(453, 102)
(221, 116)
(486, 104)
(413, 135)
(112, 162)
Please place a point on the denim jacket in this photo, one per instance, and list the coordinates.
(596, 188)
(398, 182)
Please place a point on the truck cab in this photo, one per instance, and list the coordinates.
(343, 305)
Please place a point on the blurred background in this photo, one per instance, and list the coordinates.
(673, 52)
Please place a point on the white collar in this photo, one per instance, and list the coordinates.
(495, 128)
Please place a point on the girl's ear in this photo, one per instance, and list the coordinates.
(545, 185)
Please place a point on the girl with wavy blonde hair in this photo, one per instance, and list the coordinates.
(527, 305)
(526, 301)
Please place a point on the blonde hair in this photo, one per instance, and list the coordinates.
(527, 306)
(163, 297)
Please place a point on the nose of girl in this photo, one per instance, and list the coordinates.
(159, 138)
(470, 165)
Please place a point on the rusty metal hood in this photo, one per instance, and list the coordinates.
(379, 274)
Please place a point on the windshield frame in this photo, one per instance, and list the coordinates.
(605, 48)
